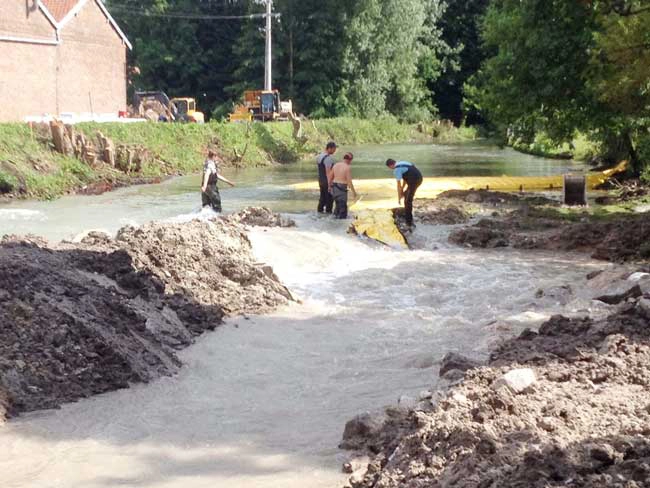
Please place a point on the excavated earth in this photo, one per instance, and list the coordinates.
(533, 222)
(566, 406)
(77, 319)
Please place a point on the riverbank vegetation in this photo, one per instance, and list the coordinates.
(566, 68)
(551, 78)
(31, 168)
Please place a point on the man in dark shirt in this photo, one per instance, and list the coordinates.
(325, 162)
(408, 179)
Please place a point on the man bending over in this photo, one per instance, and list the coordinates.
(408, 179)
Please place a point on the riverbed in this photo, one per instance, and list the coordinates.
(263, 400)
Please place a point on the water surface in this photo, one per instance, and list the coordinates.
(262, 401)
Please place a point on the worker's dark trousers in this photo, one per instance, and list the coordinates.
(212, 198)
(326, 201)
(340, 194)
(409, 195)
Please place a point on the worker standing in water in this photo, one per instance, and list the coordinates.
(325, 162)
(408, 179)
(209, 191)
(340, 181)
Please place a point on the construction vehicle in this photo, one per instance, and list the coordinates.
(156, 105)
(263, 105)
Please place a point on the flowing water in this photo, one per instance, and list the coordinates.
(263, 400)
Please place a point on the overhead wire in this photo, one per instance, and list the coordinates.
(186, 15)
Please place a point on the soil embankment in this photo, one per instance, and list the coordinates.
(83, 318)
(567, 405)
(533, 222)
(43, 161)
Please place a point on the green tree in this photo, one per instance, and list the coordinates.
(393, 50)
(460, 26)
(555, 67)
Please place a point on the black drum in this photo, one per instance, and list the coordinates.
(575, 190)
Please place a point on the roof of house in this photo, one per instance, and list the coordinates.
(59, 12)
(59, 8)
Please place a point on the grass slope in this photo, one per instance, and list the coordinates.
(29, 168)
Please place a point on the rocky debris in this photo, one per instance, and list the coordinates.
(496, 197)
(260, 217)
(83, 318)
(456, 362)
(126, 158)
(517, 380)
(580, 418)
(621, 294)
(360, 429)
(440, 212)
(562, 294)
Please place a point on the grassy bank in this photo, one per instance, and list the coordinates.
(30, 168)
(580, 149)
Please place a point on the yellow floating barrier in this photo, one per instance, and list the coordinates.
(380, 226)
(374, 215)
(382, 193)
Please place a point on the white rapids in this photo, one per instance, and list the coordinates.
(262, 401)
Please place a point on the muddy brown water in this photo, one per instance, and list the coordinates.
(263, 400)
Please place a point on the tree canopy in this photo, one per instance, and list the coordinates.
(525, 67)
(562, 67)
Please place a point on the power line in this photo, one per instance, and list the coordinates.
(188, 16)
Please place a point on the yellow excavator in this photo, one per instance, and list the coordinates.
(262, 105)
(157, 105)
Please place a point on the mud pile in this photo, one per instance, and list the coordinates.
(535, 222)
(260, 217)
(86, 318)
(568, 405)
(624, 239)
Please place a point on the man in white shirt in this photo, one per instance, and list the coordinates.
(209, 191)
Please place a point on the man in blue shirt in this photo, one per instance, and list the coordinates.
(408, 179)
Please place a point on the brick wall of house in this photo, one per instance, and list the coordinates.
(27, 71)
(88, 66)
(24, 19)
(92, 64)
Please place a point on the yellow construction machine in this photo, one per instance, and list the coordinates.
(262, 105)
(186, 110)
(157, 105)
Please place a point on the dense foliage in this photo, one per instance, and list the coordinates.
(363, 58)
(535, 70)
(566, 67)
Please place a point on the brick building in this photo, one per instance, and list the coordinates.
(59, 57)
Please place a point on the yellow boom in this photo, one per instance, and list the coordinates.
(374, 217)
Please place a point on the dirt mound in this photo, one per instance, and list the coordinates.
(80, 319)
(567, 406)
(495, 197)
(620, 239)
(440, 212)
(260, 217)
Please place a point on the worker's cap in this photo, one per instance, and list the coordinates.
(348, 156)
(331, 145)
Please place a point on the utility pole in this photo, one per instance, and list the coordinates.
(268, 63)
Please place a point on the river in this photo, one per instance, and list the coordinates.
(263, 400)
